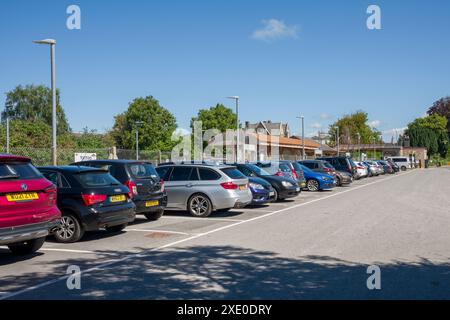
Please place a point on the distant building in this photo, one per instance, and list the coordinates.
(269, 128)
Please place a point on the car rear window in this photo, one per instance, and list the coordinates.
(296, 166)
(96, 179)
(142, 171)
(233, 173)
(19, 170)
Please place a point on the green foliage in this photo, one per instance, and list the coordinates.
(34, 103)
(155, 133)
(349, 127)
(218, 117)
(441, 108)
(431, 133)
(90, 139)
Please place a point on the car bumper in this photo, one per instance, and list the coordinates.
(289, 193)
(109, 216)
(233, 199)
(28, 232)
(262, 196)
(151, 203)
(325, 185)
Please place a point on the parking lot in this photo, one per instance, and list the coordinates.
(315, 246)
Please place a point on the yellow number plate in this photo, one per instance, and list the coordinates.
(17, 197)
(151, 203)
(243, 187)
(118, 198)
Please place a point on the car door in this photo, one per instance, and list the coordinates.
(179, 187)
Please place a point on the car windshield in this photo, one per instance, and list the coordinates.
(91, 179)
(18, 170)
(259, 171)
(142, 171)
(306, 169)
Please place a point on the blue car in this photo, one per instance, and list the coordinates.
(316, 181)
(262, 191)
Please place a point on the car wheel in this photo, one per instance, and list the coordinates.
(117, 228)
(27, 247)
(153, 216)
(199, 205)
(338, 182)
(312, 185)
(403, 168)
(70, 229)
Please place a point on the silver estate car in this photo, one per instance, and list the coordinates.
(202, 189)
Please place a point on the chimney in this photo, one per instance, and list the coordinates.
(247, 124)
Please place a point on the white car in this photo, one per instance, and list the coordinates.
(361, 170)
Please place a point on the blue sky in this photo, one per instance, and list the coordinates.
(322, 61)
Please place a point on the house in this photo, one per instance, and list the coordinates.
(268, 128)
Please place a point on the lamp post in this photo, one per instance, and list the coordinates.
(138, 125)
(236, 99)
(302, 118)
(52, 44)
(337, 141)
(374, 156)
(359, 146)
(7, 134)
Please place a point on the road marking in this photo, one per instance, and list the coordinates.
(202, 219)
(155, 230)
(193, 237)
(66, 250)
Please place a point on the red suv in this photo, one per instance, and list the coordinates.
(28, 211)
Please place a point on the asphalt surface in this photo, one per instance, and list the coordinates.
(317, 246)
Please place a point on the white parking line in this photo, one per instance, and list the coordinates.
(201, 219)
(146, 252)
(73, 251)
(156, 230)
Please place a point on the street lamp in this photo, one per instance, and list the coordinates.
(138, 124)
(52, 44)
(303, 136)
(359, 146)
(7, 134)
(236, 99)
(337, 140)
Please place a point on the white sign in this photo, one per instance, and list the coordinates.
(85, 156)
(318, 152)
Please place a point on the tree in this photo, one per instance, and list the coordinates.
(156, 130)
(91, 139)
(431, 133)
(34, 103)
(441, 108)
(218, 117)
(349, 127)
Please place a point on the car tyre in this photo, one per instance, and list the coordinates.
(338, 182)
(312, 185)
(27, 247)
(199, 205)
(403, 168)
(70, 229)
(118, 228)
(153, 216)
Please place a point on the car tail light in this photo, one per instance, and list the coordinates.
(91, 199)
(162, 185)
(279, 173)
(327, 170)
(51, 195)
(133, 188)
(229, 185)
(294, 174)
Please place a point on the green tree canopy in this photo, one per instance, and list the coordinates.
(34, 103)
(218, 117)
(349, 127)
(441, 108)
(431, 133)
(156, 130)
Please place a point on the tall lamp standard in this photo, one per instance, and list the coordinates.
(359, 146)
(337, 140)
(7, 134)
(52, 44)
(302, 118)
(236, 99)
(138, 124)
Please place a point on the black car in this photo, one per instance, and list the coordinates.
(146, 187)
(342, 164)
(284, 187)
(89, 199)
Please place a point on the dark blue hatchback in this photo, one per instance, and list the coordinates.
(262, 191)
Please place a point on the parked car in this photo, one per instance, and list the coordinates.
(342, 164)
(393, 165)
(89, 199)
(28, 211)
(202, 189)
(316, 181)
(375, 167)
(402, 162)
(386, 167)
(371, 170)
(297, 172)
(361, 170)
(146, 187)
(278, 169)
(262, 191)
(284, 187)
